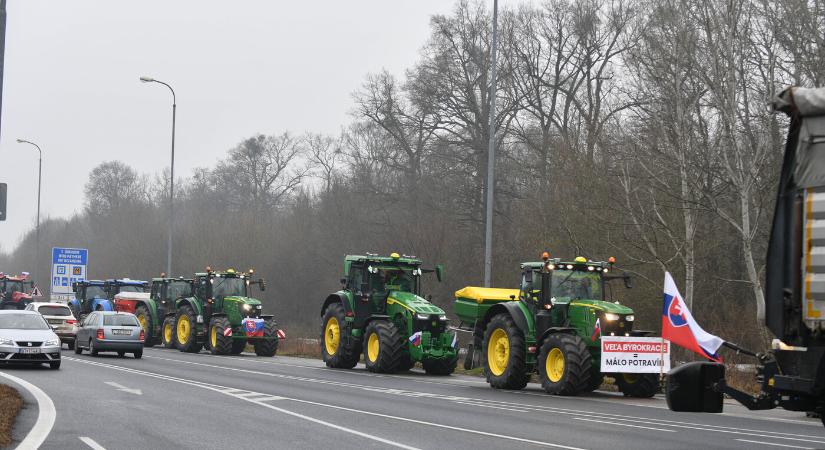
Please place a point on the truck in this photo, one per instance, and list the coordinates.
(552, 324)
(380, 311)
(15, 291)
(155, 310)
(791, 373)
(98, 295)
(220, 316)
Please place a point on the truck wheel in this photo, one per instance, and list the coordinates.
(334, 349)
(502, 353)
(218, 343)
(167, 334)
(383, 347)
(267, 347)
(440, 366)
(148, 325)
(185, 331)
(640, 385)
(564, 364)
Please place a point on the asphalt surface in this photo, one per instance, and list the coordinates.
(171, 399)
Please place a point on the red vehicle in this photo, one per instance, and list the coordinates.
(15, 291)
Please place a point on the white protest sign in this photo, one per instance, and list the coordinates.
(622, 354)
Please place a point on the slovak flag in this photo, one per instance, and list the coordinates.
(597, 330)
(415, 339)
(254, 327)
(679, 327)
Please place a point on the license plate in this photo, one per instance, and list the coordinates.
(122, 332)
(56, 322)
(29, 350)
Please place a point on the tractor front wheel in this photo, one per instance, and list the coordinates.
(564, 364)
(267, 347)
(383, 347)
(238, 346)
(503, 353)
(167, 333)
(441, 366)
(185, 331)
(334, 349)
(148, 325)
(640, 385)
(220, 343)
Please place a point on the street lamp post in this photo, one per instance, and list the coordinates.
(171, 177)
(491, 158)
(39, 179)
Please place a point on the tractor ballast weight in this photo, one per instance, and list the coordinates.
(552, 325)
(155, 310)
(15, 291)
(380, 311)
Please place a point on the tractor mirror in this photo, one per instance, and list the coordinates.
(344, 281)
(439, 272)
(262, 283)
(528, 276)
(628, 280)
(690, 387)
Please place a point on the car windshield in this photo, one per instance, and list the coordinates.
(228, 287)
(178, 289)
(51, 310)
(131, 288)
(23, 322)
(120, 320)
(95, 292)
(14, 286)
(576, 284)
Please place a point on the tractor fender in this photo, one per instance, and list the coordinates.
(103, 303)
(339, 297)
(196, 305)
(376, 317)
(510, 308)
(554, 330)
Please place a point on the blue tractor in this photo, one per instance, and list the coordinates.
(98, 295)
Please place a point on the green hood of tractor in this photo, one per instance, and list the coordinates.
(604, 306)
(414, 303)
(241, 300)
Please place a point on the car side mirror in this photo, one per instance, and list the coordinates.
(439, 272)
(691, 387)
(628, 281)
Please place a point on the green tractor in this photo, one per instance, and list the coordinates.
(221, 316)
(553, 324)
(380, 311)
(155, 310)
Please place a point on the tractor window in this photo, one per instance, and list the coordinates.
(130, 288)
(356, 278)
(178, 289)
(14, 286)
(398, 280)
(531, 290)
(95, 292)
(228, 287)
(574, 284)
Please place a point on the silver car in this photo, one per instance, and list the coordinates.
(60, 318)
(110, 331)
(26, 338)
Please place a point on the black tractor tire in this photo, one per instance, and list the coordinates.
(440, 366)
(639, 385)
(238, 346)
(223, 344)
(191, 345)
(406, 363)
(170, 322)
(267, 347)
(344, 356)
(390, 351)
(596, 381)
(576, 364)
(514, 375)
(148, 332)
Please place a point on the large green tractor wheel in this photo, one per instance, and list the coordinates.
(503, 353)
(167, 332)
(441, 366)
(218, 342)
(334, 349)
(186, 331)
(640, 385)
(383, 347)
(267, 347)
(148, 325)
(564, 364)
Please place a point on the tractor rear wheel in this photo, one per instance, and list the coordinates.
(503, 352)
(148, 325)
(596, 381)
(383, 349)
(218, 342)
(267, 347)
(440, 366)
(238, 346)
(640, 385)
(564, 364)
(406, 363)
(185, 331)
(167, 333)
(337, 352)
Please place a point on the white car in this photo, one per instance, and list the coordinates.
(26, 338)
(60, 318)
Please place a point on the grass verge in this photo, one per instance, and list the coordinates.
(10, 404)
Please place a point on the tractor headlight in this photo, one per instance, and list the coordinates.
(611, 317)
(423, 316)
(442, 317)
(629, 318)
(247, 307)
(258, 307)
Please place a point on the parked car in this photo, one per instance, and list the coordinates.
(26, 338)
(110, 331)
(59, 316)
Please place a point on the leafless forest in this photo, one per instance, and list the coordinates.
(635, 129)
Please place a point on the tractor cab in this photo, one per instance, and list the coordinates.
(89, 295)
(114, 287)
(166, 291)
(15, 291)
(215, 288)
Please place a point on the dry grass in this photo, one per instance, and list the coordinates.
(10, 404)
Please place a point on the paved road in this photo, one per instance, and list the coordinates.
(204, 401)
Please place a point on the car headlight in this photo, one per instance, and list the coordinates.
(247, 307)
(51, 342)
(423, 316)
(611, 317)
(629, 318)
(4, 341)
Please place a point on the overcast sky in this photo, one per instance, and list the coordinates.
(72, 84)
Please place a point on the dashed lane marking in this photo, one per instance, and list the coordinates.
(772, 444)
(91, 443)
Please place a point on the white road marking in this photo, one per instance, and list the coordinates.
(607, 422)
(481, 405)
(772, 443)
(46, 415)
(120, 387)
(91, 443)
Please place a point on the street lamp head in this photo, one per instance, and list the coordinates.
(146, 79)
